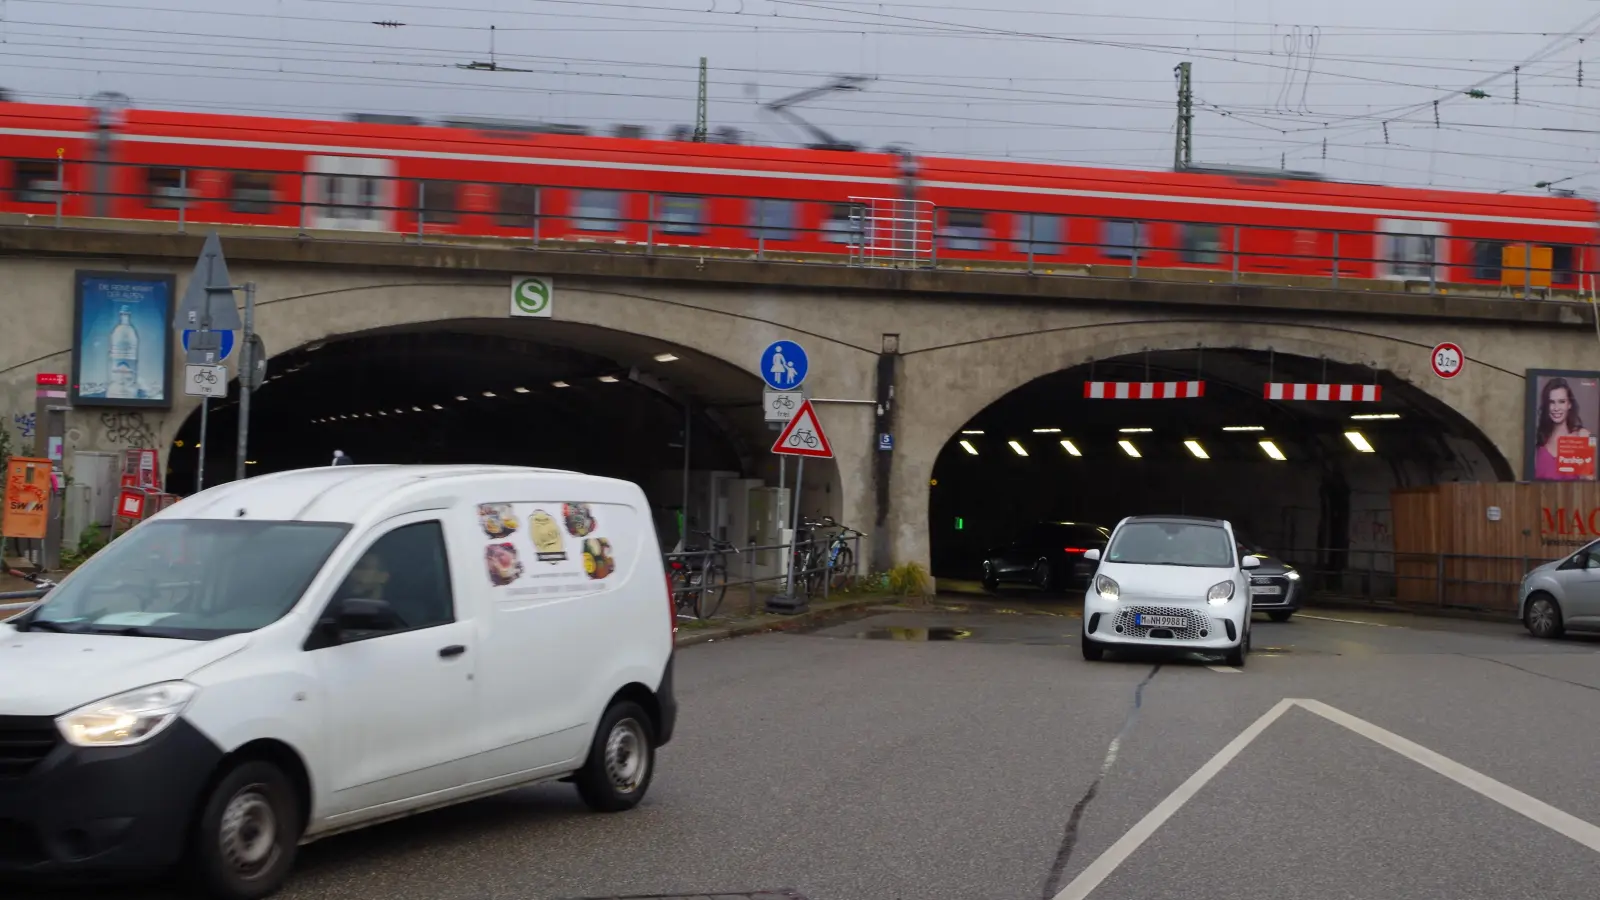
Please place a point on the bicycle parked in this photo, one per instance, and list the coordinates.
(833, 559)
(700, 578)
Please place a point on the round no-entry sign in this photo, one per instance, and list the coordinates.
(1448, 360)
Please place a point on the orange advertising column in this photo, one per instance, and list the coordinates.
(27, 498)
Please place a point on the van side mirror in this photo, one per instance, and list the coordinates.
(1092, 554)
(349, 617)
(1250, 562)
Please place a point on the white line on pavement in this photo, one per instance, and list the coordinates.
(1226, 669)
(1349, 621)
(1571, 826)
(1101, 868)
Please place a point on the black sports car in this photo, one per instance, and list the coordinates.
(1047, 555)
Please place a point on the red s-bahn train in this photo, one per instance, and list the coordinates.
(489, 180)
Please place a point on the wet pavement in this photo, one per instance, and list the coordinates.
(968, 751)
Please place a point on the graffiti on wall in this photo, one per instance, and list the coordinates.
(24, 423)
(129, 429)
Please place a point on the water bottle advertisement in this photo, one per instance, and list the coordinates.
(123, 352)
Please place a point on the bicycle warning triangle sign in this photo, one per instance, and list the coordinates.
(803, 436)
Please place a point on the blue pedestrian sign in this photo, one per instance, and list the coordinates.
(227, 342)
(783, 365)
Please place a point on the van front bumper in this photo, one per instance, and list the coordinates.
(86, 812)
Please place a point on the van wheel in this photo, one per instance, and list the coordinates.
(621, 760)
(244, 843)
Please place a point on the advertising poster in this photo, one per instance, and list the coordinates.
(27, 496)
(122, 347)
(1563, 413)
(546, 551)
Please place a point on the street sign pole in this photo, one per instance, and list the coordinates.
(210, 280)
(794, 528)
(247, 364)
(200, 446)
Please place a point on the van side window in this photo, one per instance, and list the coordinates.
(407, 569)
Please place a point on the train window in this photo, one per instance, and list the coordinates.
(1486, 256)
(438, 201)
(168, 187)
(964, 230)
(1201, 244)
(251, 193)
(845, 224)
(1563, 264)
(350, 196)
(35, 180)
(519, 205)
(681, 215)
(1408, 248)
(1121, 236)
(773, 220)
(1040, 233)
(597, 210)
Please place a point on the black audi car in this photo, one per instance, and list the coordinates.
(1047, 555)
(1274, 586)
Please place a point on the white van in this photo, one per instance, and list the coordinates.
(281, 659)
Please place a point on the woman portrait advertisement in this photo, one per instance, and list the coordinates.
(1562, 445)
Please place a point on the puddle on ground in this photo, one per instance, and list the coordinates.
(916, 634)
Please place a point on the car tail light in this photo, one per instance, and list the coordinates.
(1075, 549)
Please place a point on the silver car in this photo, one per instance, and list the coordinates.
(1562, 594)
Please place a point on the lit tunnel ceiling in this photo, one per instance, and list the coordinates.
(1231, 420)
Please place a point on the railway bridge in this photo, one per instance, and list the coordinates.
(954, 397)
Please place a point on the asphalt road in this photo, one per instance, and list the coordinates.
(864, 762)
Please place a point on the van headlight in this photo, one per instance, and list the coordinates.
(1109, 590)
(127, 719)
(1220, 593)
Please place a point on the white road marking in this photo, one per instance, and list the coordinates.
(1571, 826)
(1349, 621)
(1101, 868)
(1228, 669)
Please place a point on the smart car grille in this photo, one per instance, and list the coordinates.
(24, 742)
(1197, 622)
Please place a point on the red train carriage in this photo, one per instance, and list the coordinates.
(427, 179)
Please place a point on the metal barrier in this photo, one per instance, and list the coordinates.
(1419, 580)
(857, 231)
(701, 578)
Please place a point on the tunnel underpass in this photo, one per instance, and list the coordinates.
(1303, 479)
(554, 395)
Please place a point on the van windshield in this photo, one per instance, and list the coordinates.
(1172, 544)
(192, 579)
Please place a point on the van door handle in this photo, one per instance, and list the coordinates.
(452, 651)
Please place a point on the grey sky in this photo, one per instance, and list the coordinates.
(1089, 82)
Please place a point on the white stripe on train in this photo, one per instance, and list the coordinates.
(809, 176)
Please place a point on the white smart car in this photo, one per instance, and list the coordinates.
(1169, 581)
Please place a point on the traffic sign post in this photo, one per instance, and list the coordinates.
(1448, 360)
(784, 365)
(802, 437)
(205, 381)
(779, 406)
(207, 318)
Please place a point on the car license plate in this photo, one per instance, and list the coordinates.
(1161, 621)
(1268, 589)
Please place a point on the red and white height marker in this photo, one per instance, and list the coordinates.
(1357, 393)
(1143, 390)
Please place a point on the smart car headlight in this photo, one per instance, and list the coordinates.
(1220, 593)
(1108, 589)
(129, 718)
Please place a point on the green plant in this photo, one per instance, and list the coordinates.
(90, 542)
(909, 580)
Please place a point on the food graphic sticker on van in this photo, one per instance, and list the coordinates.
(497, 519)
(580, 521)
(504, 566)
(597, 561)
(548, 544)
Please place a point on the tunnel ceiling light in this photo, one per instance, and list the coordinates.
(1198, 451)
(967, 446)
(1134, 430)
(437, 406)
(609, 379)
(1373, 417)
(1021, 450)
(666, 357)
(488, 393)
(1358, 441)
(417, 409)
(972, 431)
(522, 390)
(399, 412)
(1071, 448)
(369, 415)
(559, 384)
(1245, 428)
(461, 398)
(249, 462)
(380, 412)
(1129, 448)
(1272, 450)
(1047, 431)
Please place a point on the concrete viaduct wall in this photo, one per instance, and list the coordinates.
(964, 339)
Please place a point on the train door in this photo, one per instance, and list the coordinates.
(350, 193)
(1410, 250)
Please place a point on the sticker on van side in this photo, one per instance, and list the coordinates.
(562, 552)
